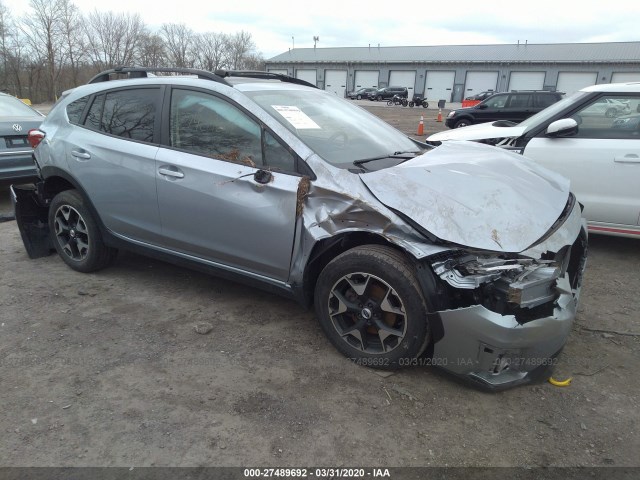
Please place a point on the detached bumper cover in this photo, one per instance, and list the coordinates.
(496, 351)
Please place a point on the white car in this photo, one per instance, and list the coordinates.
(597, 151)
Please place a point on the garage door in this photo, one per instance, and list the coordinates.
(526, 81)
(439, 85)
(625, 77)
(480, 82)
(366, 79)
(335, 81)
(307, 75)
(281, 72)
(570, 82)
(401, 78)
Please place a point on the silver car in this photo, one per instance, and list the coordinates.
(16, 159)
(464, 256)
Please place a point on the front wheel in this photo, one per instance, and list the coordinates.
(379, 97)
(405, 103)
(359, 97)
(75, 234)
(370, 305)
(462, 123)
(411, 104)
(389, 102)
(425, 104)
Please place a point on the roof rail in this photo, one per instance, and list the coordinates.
(217, 76)
(263, 75)
(142, 72)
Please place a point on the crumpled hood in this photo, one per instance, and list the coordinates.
(481, 131)
(474, 195)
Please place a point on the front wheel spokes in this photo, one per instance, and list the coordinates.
(385, 331)
(344, 305)
(358, 332)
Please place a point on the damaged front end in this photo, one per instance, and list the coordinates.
(503, 319)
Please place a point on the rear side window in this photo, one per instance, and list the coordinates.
(519, 100)
(75, 110)
(545, 100)
(125, 113)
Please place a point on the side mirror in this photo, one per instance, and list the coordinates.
(262, 177)
(482, 106)
(562, 128)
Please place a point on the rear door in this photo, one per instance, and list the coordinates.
(111, 152)
(211, 205)
(602, 161)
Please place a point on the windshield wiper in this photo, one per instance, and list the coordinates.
(401, 155)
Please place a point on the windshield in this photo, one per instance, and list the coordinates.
(551, 111)
(12, 107)
(338, 131)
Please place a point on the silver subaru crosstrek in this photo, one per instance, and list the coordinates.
(463, 256)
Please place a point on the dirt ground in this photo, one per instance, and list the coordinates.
(107, 369)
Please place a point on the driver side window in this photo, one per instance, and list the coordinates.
(207, 125)
(610, 116)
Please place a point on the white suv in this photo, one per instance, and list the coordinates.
(592, 138)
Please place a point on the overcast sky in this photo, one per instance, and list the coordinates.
(273, 23)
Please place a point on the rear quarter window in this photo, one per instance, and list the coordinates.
(75, 110)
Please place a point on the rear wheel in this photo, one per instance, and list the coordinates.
(371, 307)
(75, 234)
(379, 97)
(359, 97)
(425, 104)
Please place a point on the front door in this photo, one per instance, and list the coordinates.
(211, 205)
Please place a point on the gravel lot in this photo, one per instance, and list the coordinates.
(107, 369)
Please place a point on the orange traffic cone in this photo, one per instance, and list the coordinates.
(421, 126)
(439, 115)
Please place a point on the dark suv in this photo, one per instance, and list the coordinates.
(512, 106)
(388, 92)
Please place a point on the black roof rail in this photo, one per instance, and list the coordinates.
(263, 75)
(142, 72)
(217, 76)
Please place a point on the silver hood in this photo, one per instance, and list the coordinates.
(481, 131)
(474, 195)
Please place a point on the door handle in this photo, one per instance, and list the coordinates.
(170, 172)
(82, 155)
(628, 158)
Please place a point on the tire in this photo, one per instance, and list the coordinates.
(385, 325)
(359, 97)
(379, 97)
(610, 113)
(411, 104)
(75, 234)
(404, 103)
(389, 102)
(425, 104)
(462, 123)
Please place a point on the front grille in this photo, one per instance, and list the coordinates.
(577, 259)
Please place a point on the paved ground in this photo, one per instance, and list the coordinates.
(107, 369)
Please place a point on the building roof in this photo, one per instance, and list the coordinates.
(612, 52)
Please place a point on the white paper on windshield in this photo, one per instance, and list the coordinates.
(296, 117)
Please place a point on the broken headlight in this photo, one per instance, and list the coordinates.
(522, 282)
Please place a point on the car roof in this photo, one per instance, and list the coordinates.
(628, 87)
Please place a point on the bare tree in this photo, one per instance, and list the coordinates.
(74, 41)
(178, 39)
(42, 29)
(211, 50)
(240, 46)
(112, 38)
(5, 20)
(151, 51)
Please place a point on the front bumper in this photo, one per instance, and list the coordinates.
(495, 351)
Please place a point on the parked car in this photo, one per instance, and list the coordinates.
(481, 96)
(458, 254)
(389, 92)
(16, 119)
(361, 93)
(472, 100)
(512, 106)
(580, 139)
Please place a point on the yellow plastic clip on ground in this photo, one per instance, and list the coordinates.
(560, 383)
